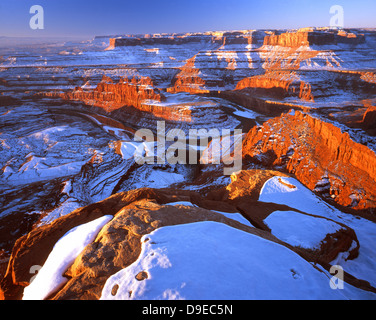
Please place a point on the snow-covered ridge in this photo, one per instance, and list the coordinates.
(244, 266)
(310, 228)
(50, 276)
(173, 259)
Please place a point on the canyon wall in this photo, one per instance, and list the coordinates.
(315, 151)
(312, 37)
(295, 38)
(188, 79)
(210, 37)
(288, 81)
(136, 92)
(112, 95)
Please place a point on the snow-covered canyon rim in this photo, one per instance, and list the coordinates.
(50, 277)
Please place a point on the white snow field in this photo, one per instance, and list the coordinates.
(301, 198)
(300, 230)
(211, 260)
(234, 216)
(50, 276)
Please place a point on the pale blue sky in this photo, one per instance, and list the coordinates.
(88, 18)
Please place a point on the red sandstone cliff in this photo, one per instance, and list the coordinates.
(306, 37)
(288, 81)
(288, 39)
(111, 96)
(313, 149)
(136, 92)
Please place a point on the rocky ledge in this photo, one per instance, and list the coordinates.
(316, 152)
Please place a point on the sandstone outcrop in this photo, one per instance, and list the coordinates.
(289, 84)
(210, 37)
(313, 149)
(111, 96)
(296, 38)
(188, 80)
(246, 97)
(243, 193)
(137, 93)
(288, 39)
(312, 37)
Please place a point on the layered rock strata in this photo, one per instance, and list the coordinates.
(313, 149)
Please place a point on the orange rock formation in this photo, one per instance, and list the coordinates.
(112, 96)
(288, 81)
(313, 149)
(139, 93)
(188, 80)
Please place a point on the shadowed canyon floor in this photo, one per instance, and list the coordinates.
(81, 218)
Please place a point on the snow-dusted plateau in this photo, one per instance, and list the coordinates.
(120, 175)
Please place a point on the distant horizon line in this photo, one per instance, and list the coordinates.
(154, 33)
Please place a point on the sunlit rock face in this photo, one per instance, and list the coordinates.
(316, 151)
(69, 112)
